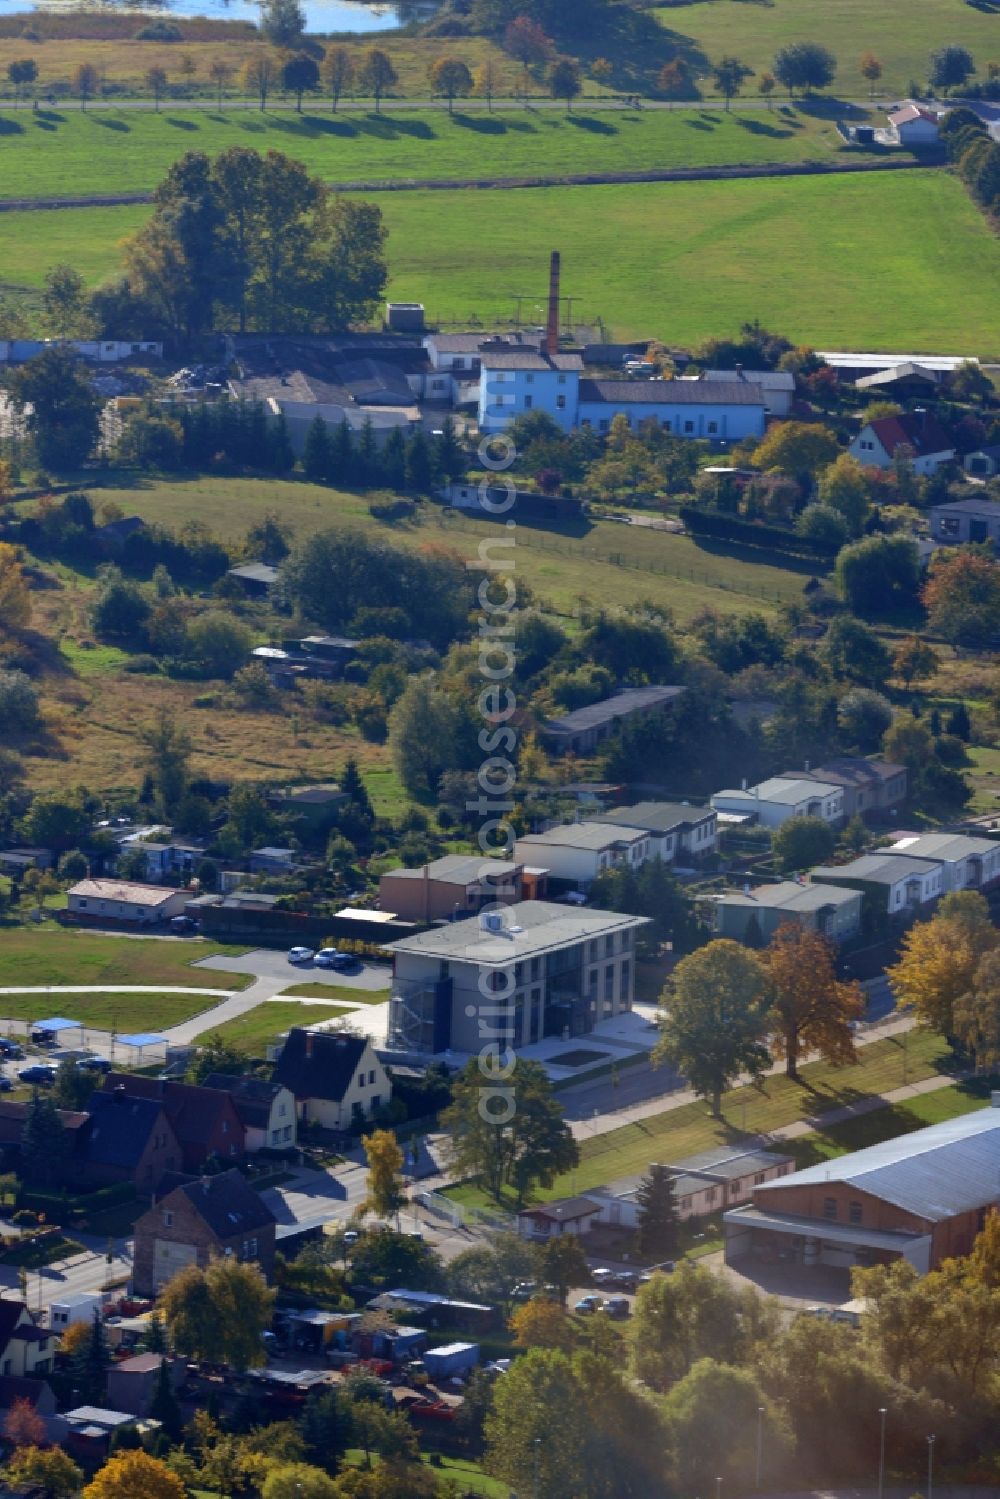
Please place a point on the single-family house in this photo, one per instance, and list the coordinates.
(266, 1110)
(26, 1349)
(273, 860)
(553, 1220)
(871, 787)
(563, 970)
(831, 910)
(895, 884)
(336, 1077)
(315, 807)
(678, 831)
(967, 863)
(454, 886)
(195, 1222)
(580, 732)
(97, 901)
(579, 852)
(204, 1120)
(965, 522)
(40, 1396)
(776, 800)
(921, 1197)
(776, 386)
(128, 1139)
(913, 435)
(984, 463)
(166, 857)
(913, 125)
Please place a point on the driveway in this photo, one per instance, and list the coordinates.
(264, 963)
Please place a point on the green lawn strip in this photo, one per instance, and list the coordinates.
(795, 253)
(341, 992)
(53, 955)
(708, 29)
(69, 153)
(674, 1134)
(34, 1253)
(886, 1124)
(106, 1012)
(467, 1474)
(984, 776)
(252, 1032)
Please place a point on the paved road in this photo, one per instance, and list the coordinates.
(830, 108)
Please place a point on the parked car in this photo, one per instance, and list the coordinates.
(603, 1276)
(38, 1073)
(525, 1290)
(183, 925)
(618, 1308)
(586, 1305)
(10, 1049)
(5, 1085)
(627, 1279)
(329, 957)
(300, 954)
(352, 1235)
(93, 1064)
(43, 1038)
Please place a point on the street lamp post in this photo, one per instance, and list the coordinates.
(881, 1454)
(930, 1467)
(760, 1445)
(718, 1488)
(538, 1450)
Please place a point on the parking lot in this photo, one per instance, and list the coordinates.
(264, 963)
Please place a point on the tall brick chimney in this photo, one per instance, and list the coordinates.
(552, 330)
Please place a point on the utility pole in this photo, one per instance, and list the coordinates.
(930, 1467)
(881, 1454)
(760, 1444)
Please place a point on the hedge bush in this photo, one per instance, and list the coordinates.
(750, 533)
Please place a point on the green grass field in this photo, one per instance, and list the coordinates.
(901, 261)
(105, 1012)
(901, 37)
(677, 1133)
(254, 1031)
(559, 568)
(66, 153)
(52, 955)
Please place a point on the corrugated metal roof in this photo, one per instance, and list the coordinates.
(935, 1173)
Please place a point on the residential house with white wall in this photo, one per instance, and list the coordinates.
(896, 884)
(678, 831)
(967, 863)
(579, 852)
(913, 434)
(776, 800)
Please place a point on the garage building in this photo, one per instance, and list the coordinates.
(923, 1197)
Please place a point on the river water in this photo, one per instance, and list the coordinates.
(322, 16)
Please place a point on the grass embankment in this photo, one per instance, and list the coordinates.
(677, 1133)
(342, 992)
(798, 254)
(66, 153)
(254, 1031)
(51, 955)
(902, 38)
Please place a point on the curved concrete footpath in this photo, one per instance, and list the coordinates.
(564, 179)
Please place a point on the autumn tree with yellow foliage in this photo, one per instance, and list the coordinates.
(541, 1323)
(812, 1009)
(135, 1475)
(15, 600)
(384, 1191)
(940, 958)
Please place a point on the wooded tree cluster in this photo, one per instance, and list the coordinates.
(254, 242)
